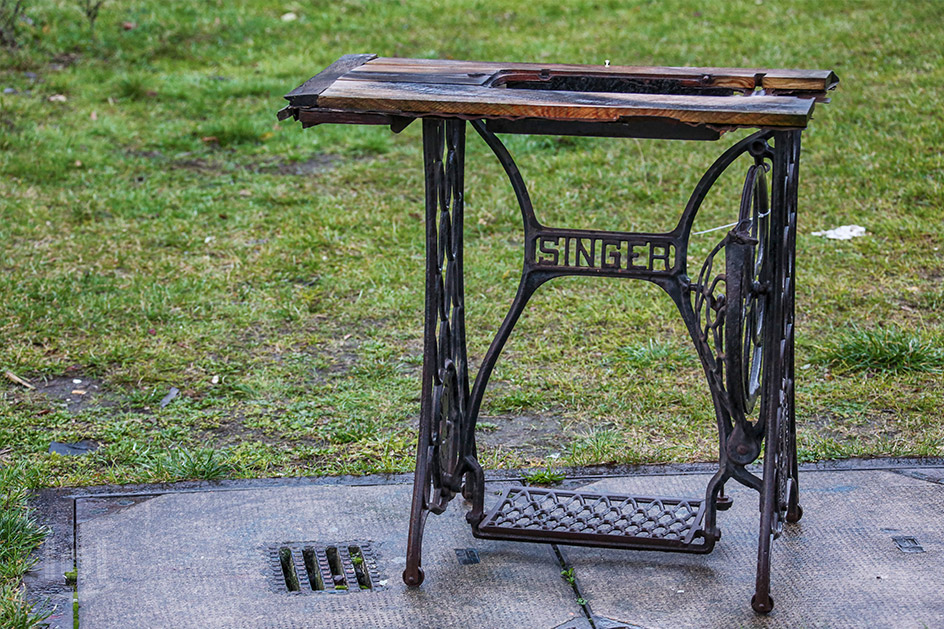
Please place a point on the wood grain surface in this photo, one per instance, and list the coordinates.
(488, 102)
(743, 78)
(721, 97)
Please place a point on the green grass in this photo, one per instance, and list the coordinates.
(547, 476)
(156, 234)
(20, 534)
(891, 350)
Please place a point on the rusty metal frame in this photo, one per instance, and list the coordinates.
(739, 317)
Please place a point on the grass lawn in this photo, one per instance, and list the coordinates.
(160, 230)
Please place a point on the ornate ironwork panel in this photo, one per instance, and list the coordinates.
(443, 439)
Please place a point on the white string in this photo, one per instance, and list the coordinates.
(714, 229)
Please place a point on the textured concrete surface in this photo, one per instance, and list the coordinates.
(837, 567)
(199, 560)
(162, 557)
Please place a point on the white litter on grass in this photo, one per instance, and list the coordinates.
(843, 232)
(289, 17)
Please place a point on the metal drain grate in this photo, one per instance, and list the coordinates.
(313, 567)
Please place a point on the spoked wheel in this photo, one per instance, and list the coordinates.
(748, 278)
(788, 506)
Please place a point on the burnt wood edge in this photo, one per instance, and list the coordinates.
(631, 127)
(642, 127)
(312, 117)
(306, 94)
(523, 124)
(819, 97)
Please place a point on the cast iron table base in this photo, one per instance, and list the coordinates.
(738, 310)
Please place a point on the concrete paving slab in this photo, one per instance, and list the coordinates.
(195, 555)
(837, 567)
(200, 560)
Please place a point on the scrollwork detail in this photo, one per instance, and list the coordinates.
(450, 377)
(731, 306)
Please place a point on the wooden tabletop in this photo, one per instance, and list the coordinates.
(366, 89)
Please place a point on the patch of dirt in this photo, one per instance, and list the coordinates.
(234, 432)
(64, 60)
(75, 392)
(145, 154)
(528, 434)
(866, 424)
(198, 165)
(340, 363)
(316, 163)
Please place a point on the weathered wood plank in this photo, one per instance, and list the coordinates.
(381, 64)
(366, 89)
(306, 94)
(489, 102)
(744, 78)
(418, 77)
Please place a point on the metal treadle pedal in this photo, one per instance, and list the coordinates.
(588, 519)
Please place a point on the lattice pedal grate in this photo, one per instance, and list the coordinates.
(610, 520)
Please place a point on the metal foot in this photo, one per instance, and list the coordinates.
(413, 577)
(763, 604)
(794, 514)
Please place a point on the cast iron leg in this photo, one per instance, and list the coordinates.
(441, 455)
(793, 509)
(779, 498)
(744, 334)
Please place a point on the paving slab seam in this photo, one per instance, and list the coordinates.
(918, 475)
(572, 579)
(73, 591)
(579, 473)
